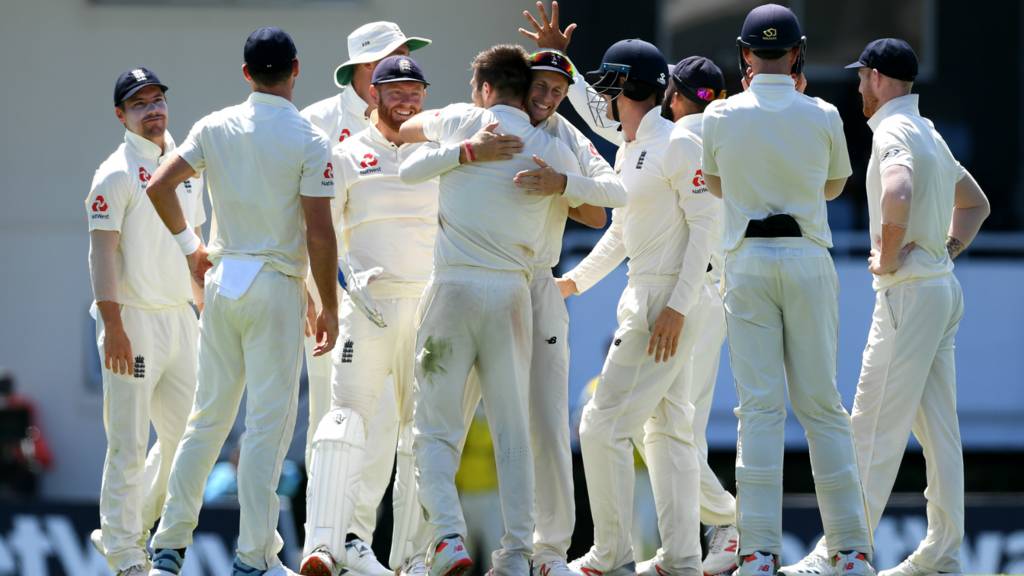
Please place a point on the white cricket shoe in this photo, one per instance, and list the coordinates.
(852, 564)
(359, 560)
(814, 564)
(909, 568)
(757, 564)
(586, 565)
(318, 563)
(723, 547)
(450, 557)
(136, 570)
(556, 567)
(415, 566)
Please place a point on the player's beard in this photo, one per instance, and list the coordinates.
(869, 104)
(390, 119)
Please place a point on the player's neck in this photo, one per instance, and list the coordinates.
(160, 140)
(389, 134)
(283, 90)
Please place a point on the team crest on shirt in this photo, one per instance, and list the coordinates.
(188, 186)
(369, 164)
(640, 160)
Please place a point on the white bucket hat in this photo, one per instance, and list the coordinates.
(372, 42)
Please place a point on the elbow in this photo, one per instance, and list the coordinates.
(597, 221)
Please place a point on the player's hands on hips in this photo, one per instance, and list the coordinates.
(566, 286)
(489, 146)
(880, 264)
(665, 335)
(198, 264)
(326, 332)
(117, 349)
(547, 35)
(543, 181)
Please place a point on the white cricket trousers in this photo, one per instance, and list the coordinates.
(252, 344)
(707, 320)
(635, 392)
(370, 362)
(380, 455)
(159, 388)
(549, 419)
(478, 318)
(782, 313)
(908, 384)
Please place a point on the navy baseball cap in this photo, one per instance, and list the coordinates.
(269, 47)
(699, 79)
(890, 56)
(633, 59)
(134, 80)
(770, 27)
(398, 69)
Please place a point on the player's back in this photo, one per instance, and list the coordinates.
(486, 221)
(774, 148)
(257, 155)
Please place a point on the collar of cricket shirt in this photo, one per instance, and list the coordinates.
(899, 105)
(270, 100)
(378, 137)
(147, 149)
(352, 104)
(691, 122)
(650, 124)
(518, 113)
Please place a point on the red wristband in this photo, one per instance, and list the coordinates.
(469, 151)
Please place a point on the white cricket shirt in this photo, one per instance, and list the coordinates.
(670, 221)
(486, 221)
(339, 116)
(381, 221)
(774, 148)
(691, 127)
(258, 157)
(154, 274)
(902, 137)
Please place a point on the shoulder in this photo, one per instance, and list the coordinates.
(684, 139)
(719, 108)
(358, 142)
(113, 171)
(826, 108)
(897, 127)
(321, 108)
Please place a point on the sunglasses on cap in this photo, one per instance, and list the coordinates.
(553, 61)
(708, 94)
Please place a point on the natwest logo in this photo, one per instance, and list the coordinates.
(368, 161)
(698, 179)
(345, 133)
(144, 175)
(329, 172)
(99, 204)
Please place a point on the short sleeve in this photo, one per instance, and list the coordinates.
(109, 198)
(682, 165)
(892, 147)
(709, 123)
(344, 176)
(198, 216)
(839, 156)
(317, 178)
(191, 150)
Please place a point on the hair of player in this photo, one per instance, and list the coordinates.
(640, 91)
(771, 54)
(273, 77)
(506, 68)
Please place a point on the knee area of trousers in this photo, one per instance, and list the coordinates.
(341, 426)
(758, 474)
(837, 480)
(825, 407)
(593, 430)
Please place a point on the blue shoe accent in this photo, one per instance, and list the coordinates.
(168, 560)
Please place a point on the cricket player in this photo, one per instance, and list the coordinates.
(924, 209)
(477, 313)
(666, 229)
(270, 180)
(146, 331)
(340, 117)
(775, 156)
(388, 227)
(597, 186)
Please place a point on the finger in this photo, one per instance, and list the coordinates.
(652, 343)
(568, 32)
(539, 161)
(554, 14)
(106, 360)
(532, 20)
(543, 14)
(675, 346)
(491, 127)
(531, 35)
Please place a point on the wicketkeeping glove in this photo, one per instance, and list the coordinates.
(355, 284)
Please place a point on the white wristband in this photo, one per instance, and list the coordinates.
(187, 240)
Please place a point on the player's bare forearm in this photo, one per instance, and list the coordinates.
(833, 188)
(412, 129)
(110, 312)
(197, 288)
(590, 216)
(970, 209)
(714, 184)
(161, 192)
(323, 250)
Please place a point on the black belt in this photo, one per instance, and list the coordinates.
(775, 226)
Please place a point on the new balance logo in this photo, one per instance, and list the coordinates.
(640, 160)
(618, 341)
(139, 369)
(347, 352)
(552, 340)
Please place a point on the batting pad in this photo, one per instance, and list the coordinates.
(334, 478)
